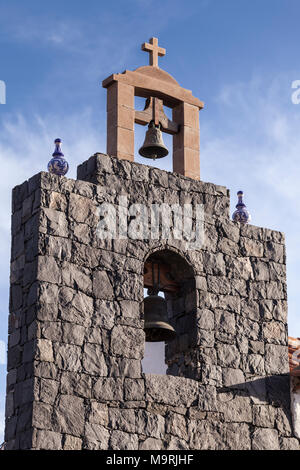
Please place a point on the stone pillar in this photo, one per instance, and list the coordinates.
(120, 121)
(186, 144)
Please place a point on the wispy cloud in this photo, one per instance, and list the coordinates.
(26, 148)
(258, 151)
(2, 420)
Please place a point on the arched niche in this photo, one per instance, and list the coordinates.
(179, 289)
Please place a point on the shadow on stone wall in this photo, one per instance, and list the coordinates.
(273, 390)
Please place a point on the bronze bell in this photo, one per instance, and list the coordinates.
(153, 146)
(156, 326)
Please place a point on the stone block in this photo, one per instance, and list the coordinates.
(275, 252)
(123, 367)
(284, 421)
(261, 271)
(72, 443)
(237, 436)
(51, 330)
(264, 416)
(106, 313)
(44, 350)
(255, 364)
(123, 441)
(206, 319)
(276, 359)
(176, 425)
(251, 247)
(150, 443)
(99, 413)
(128, 340)
(47, 440)
(274, 332)
(48, 270)
(93, 360)
(68, 357)
(174, 443)
(122, 419)
(265, 439)
(75, 307)
(72, 383)
(48, 390)
(134, 389)
(235, 409)
(41, 415)
(57, 201)
(276, 290)
(214, 263)
(102, 287)
(108, 389)
(233, 377)
(228, 355)
(250, 329)
(73, 334)
(82, 210)
(96, 437)
(289, 443)
(174, 391)
(206, 435)
(68, 415)
(76, 277)
(149, 424)
(54, 222)
(130, 309)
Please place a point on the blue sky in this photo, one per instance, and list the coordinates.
(239, 56)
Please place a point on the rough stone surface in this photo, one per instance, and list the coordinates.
(76, 337)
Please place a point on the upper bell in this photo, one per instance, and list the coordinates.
(153, 146)
(157, 327)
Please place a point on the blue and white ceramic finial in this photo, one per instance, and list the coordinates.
(241, 214)
(58, 165)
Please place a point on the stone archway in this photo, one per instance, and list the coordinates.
(179, 289)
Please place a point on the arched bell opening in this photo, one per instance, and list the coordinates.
(173, 316)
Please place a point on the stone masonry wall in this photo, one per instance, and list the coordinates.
(76, 336)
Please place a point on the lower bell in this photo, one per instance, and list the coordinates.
(157, 327)
(153, 146)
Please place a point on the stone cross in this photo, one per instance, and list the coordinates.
(154, 51)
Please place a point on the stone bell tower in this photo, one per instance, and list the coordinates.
(81, 257)
(159, 88)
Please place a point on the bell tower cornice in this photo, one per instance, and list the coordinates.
(150, 81)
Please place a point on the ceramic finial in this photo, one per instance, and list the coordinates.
(241, 214)
(58, 165)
